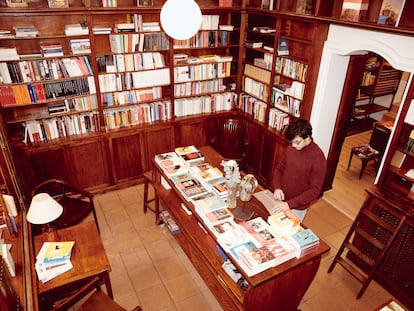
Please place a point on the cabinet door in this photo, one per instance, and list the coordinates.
(42, 165)
(87, 163)
(192, 132)
(267, 162)
(157, 140)
(254, 146)
(125, 155)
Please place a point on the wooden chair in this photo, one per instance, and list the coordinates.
(148, 179)
(97, 300)
(9, 301)
(374, 150)
(77, 203)
(229, 138)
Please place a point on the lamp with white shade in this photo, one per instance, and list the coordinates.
(180, 19)
(42, 211)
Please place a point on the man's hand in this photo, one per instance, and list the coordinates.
(279, 207)
(279, 195)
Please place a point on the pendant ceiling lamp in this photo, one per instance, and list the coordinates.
(180, 19)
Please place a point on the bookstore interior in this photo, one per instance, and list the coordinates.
(99, 93)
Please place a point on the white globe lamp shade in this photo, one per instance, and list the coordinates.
(180, 19)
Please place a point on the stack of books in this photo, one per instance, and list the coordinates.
(51, 50)
(102, 29)
(25, 31)
(8, 54)
(189, 153)
(76, 29)
(80, 46)
(171, 164)
(189, 186)
(285, 222)
(306, 240)
(53, 259)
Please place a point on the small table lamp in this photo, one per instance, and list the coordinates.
(42, 211)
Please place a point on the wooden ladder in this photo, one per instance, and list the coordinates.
(367, 241)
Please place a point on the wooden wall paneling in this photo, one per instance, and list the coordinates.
(254, 145)
(88, 164)
(156, 139)
(43, 164)
(191, 132)
(271, 152)
(125, 155)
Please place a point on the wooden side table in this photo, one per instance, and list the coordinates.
(88, 259)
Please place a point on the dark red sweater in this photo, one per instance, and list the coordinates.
(300, 174)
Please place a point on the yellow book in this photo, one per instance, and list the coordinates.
(55, 251)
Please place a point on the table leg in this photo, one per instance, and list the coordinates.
(107, 280)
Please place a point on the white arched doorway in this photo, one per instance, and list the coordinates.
(340, 44)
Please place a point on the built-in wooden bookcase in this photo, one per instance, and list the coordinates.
(205, 67)
(279, 55)
(401, 159)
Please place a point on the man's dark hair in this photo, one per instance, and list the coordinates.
(298, 127)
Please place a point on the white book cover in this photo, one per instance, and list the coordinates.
(5, 253)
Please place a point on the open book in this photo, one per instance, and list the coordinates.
(266, 198)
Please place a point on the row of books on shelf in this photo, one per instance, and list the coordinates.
(130, 62)
(278, 119)
(47, 129)
(409, 146)
(138, 42)
(40, 92)
(265, 62)
(288, 100)
(256, 73)
(289, 104)
(111, 82)
(205, 104)
(253, 106)
(255, 88)
(210, 38)
(137, 114)
(291, 68)
(218, 68)
(44, 69)
(356, 10)
(73, 104)
(131, 96)
(53, 259)
(198, 87)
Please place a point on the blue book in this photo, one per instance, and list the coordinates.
(305, 238)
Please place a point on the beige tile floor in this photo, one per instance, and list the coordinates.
(150, 269)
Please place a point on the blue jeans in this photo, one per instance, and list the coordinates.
(300, 212)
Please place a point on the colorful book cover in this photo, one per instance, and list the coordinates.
(210, 204)
(186, 149)
(305, 238)
(57, 251)
(390, 12)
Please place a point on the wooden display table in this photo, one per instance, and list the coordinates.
(88, 259)
(278, 288)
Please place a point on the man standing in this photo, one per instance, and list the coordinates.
(298, 177)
